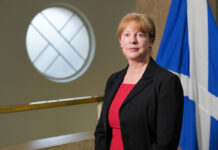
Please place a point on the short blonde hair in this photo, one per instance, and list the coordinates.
(145, 24)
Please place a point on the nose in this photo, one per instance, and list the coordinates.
(133, 39)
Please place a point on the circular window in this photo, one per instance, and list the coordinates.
(60, 43)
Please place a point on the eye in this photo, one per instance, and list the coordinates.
(140, 34)
(126, 34)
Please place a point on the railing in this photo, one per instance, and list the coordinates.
(82, 140)
(50, 104)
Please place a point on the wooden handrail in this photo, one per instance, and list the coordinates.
(61, 142)
(50, 104)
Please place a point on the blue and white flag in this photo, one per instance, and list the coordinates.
(189, 48)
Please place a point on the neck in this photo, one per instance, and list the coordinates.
(138, 67)
(135, 71)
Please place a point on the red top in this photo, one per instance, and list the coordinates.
(113, 116)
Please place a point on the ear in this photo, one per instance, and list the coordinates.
(120, 43)
(151, 41)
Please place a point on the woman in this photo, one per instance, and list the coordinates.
(143, 103)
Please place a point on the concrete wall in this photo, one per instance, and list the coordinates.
(21, 83)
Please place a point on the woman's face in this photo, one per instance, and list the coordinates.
(134, 43)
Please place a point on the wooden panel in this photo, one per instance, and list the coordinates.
(158, 11)
(213, 6)
(216, 13)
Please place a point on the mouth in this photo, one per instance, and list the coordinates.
(133, 48)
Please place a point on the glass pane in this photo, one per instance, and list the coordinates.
(45, 59)
(71, 28)
(57, 16)
(58, 42)
(81, 42)
(60, 69)
(46, 29)
(34, 45)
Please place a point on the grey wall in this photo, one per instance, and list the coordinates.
(20, 83)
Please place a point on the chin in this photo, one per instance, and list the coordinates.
(133, 58)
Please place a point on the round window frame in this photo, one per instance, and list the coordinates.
(92, 43)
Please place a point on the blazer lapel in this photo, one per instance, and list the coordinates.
(113, 89)
(146, 79)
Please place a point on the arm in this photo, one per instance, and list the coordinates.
(100, 133)
(169, 114)
(100, 142)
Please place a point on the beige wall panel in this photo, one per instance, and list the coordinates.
(213, 6)
(158, 10)
(21, 83)
(217, 12)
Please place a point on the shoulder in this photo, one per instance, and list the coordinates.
(163, 75)
(117, 74)
(167, 82)
(114, 76)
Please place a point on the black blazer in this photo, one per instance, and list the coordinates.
(150, 116)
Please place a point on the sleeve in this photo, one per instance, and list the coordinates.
(100, 133)
(100, 141)
(169, 114)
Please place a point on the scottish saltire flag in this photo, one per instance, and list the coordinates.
(189, 48)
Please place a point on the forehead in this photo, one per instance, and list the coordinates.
(132, 25)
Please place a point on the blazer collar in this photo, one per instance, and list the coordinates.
(149, 71)
(113, 89)
(146, 79)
